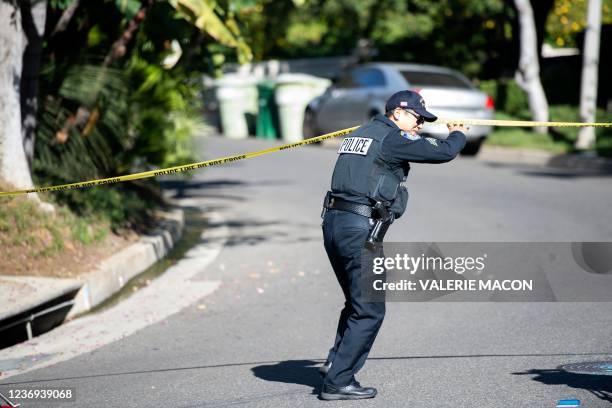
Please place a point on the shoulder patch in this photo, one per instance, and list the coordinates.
(355, 145)
(432, 141)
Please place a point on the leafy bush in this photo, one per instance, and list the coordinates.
(146, 117)
(508, 97)
(107, 111)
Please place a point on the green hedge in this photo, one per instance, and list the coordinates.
(508, 96)
(567, 113)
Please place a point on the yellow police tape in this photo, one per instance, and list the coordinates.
(231, 159)
(522, 123)
(176, 169)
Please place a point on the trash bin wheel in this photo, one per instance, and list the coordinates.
(309, 127)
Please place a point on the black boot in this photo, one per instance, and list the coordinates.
(348, 392)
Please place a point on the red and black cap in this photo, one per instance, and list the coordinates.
(410, 100)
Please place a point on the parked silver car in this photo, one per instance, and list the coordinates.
(361, 92)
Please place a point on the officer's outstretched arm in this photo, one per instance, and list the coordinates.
(424, 150)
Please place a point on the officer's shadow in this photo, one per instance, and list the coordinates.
(302, 372)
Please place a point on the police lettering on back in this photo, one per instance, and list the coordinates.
(355, 145)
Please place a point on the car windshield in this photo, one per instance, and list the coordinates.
(424, 79)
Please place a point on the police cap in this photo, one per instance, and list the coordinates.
(410, 100)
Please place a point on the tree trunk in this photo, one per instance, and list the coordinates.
(33, 16)
(14, 167)
(13, 163)
(590, 65)
(528, 74)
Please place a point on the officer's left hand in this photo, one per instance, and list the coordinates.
(452, 127)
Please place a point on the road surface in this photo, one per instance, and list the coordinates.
(257, 339)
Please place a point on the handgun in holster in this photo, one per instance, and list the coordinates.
(326, 203)
(381, 224)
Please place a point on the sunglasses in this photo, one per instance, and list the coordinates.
(419, 118)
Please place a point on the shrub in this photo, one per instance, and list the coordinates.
(508, 97)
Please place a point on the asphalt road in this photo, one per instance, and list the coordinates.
(260, 336)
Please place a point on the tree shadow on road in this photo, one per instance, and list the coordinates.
(563, 173)
(248, 232)
(189, 188)
(566, 174)
(293, 372)
(598, 385)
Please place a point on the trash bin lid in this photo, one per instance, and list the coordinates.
(295, 78)
(234, 80)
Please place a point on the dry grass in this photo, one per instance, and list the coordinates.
(37, 243)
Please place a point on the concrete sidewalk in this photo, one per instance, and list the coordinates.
(174, 290)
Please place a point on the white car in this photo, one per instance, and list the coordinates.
(361, 92)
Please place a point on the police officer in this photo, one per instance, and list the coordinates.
(367, 194)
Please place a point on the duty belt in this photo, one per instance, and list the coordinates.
(336, 203)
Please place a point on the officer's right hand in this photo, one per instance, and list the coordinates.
(452, 127)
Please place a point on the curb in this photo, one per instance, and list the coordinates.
(32, 297)
(179, 287)
(14, 287)
(111, 275)
(507, 155)
(541, 158)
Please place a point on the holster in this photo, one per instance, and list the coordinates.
(381, 224)
(326, 201)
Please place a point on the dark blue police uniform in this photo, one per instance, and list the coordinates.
(372, 165)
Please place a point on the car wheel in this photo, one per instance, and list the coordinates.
(309, 127)
(472, 147)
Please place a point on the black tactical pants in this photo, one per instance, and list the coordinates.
(344, 236)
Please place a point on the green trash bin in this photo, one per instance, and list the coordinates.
(267, 117)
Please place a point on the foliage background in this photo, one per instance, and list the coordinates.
(146, 112)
